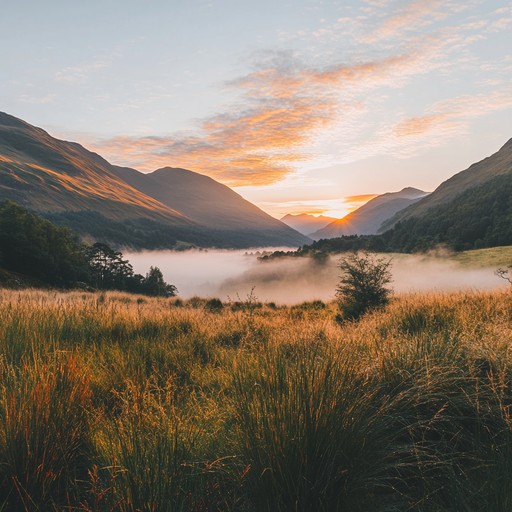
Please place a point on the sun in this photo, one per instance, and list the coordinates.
(337, 213)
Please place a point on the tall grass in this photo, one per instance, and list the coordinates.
(111, 403)
(43, 435)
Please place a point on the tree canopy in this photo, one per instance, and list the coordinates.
(55, 256)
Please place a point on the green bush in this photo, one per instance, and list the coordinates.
(362, 285)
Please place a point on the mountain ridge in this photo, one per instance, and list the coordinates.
(476, 174)
(368, 218)
(72, 185)
(305, 223)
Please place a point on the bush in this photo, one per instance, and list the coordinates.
(362, 285)
(214, 305)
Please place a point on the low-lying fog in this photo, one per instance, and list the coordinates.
(223, 274)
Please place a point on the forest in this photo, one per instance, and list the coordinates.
(35, 252)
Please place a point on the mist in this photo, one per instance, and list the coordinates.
(233, 274)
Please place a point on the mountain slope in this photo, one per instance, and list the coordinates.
(73, 186)
(49, 175)
(500, 163)
(480, 216)
(367, 219)
(305, 223)
(207, 202)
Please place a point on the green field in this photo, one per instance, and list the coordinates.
(115, 402)
(492, 257)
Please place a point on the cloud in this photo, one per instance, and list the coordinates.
(359, 200)
(419, 125)
(444, 120)
(284, 105)
(83, 71)
(414, 16)
(77, 73)
(37, 100)
(290, 113)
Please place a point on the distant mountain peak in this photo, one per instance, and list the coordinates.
(306, 223)
(412, 190)
(368, 218)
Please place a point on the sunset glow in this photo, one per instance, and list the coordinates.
(304, 107)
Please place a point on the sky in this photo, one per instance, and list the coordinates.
(302, 106)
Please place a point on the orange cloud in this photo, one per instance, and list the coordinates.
(443, 120)
(419, 125)
(285, 105)
(415, 14)
(359, 199)
(259, 144)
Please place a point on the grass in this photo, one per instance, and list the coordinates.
(492, 257)
(110, 402)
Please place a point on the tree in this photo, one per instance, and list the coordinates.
(154, 284)
(362, 285)
(32, 246)
(108, 269)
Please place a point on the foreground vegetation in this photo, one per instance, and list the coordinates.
(35, 252)
(112, 402)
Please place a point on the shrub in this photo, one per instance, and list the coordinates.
(362, 285)
(214, 305)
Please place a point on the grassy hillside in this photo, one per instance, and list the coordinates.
(490, 257)
(123, 403)
(497, 165)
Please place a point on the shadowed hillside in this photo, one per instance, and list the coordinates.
(81, 190)
(206, 202)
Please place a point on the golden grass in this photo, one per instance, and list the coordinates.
(118, 402)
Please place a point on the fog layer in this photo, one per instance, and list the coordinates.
(224, 274)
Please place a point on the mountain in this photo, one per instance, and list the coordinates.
(498, 164)
(367, 219)
(50, 175)
(201, 199)
(73, 186)
(305, 223)
(471, 210)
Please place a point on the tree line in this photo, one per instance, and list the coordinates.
(477, 218)
(50, 255)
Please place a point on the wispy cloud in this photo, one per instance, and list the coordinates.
(33, 99)
(287, 105)
(76, 73)
(358, 200)
(418, 13)
(443, 121)
(84, 70)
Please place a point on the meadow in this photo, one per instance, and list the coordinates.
(116, 402)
